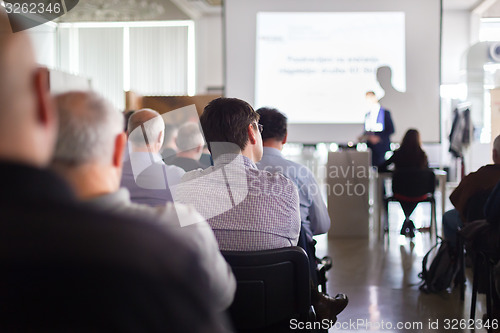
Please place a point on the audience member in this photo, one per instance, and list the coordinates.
(145, 175)
(410, 154)
(69, 268)
(169, 149)
(95, 177)
(190, 143)
(313, 212)
(248, 209)
(484, 179)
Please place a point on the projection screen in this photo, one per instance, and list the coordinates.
(314, 60)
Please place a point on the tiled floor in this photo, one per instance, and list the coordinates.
(381, 280)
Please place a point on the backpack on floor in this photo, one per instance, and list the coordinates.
(444, 267)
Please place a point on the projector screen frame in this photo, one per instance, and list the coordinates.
(239, 81)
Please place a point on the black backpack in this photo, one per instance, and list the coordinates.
(444, 267)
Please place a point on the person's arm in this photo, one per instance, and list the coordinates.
(292, 201)
(385, 165)
(196, 232)
(462, 193)
(318, 212)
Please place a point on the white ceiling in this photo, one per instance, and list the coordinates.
(136, 10)
(459, 4)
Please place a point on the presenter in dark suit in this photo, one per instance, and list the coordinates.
(378, 129)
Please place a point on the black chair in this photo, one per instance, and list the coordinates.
(474, 210)
(485, 251)
(273, 287)
(410, 187)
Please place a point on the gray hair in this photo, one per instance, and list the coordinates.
(152, 123)
(496, 144)
(189, 137)
(88, 126)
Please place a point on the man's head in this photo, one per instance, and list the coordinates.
(235, 121)
(90, 143)
(275, 127)
(190, 141)
(496, 150)
(27, 120)
(371, 97)
(146, 130)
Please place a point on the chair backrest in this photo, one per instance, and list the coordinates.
(273, 286)
(413, 182)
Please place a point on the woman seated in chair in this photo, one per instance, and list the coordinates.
(410, 154)
(412, 181)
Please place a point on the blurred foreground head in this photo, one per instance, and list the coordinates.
(27, 119)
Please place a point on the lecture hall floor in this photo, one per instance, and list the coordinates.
(381, 280)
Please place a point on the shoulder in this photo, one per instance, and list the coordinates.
(276, 182)
(190, 175)
(174, 170)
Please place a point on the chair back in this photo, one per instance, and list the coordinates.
(413, 182)
(273, 286)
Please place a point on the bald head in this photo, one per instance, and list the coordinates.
(146, 129)
(496, 150)
(27, 123)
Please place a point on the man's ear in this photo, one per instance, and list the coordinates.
(120, 144)
(46, 114)
(251, 134)
(284, 139)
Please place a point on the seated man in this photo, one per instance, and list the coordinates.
(190, 144)
(68, 268)
(95, 177)
(248, 209)
(313, 212)
(484, 179)
(145, 175)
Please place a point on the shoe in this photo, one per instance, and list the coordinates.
(408, 229)
(328, 308)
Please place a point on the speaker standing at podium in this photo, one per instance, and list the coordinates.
(378, 129)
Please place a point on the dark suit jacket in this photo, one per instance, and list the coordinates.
(379, 149)
(67, 269)
(188, 164)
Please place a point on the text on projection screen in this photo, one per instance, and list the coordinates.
(317, 67)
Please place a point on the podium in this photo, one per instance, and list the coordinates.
(348, 183)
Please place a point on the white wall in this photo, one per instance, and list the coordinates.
(209, 55)
(455, 41)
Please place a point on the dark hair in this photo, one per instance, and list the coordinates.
(411, 141)
(227, 120)
(274, 123)
(410, 153)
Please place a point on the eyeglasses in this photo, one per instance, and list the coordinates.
(260, 127)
